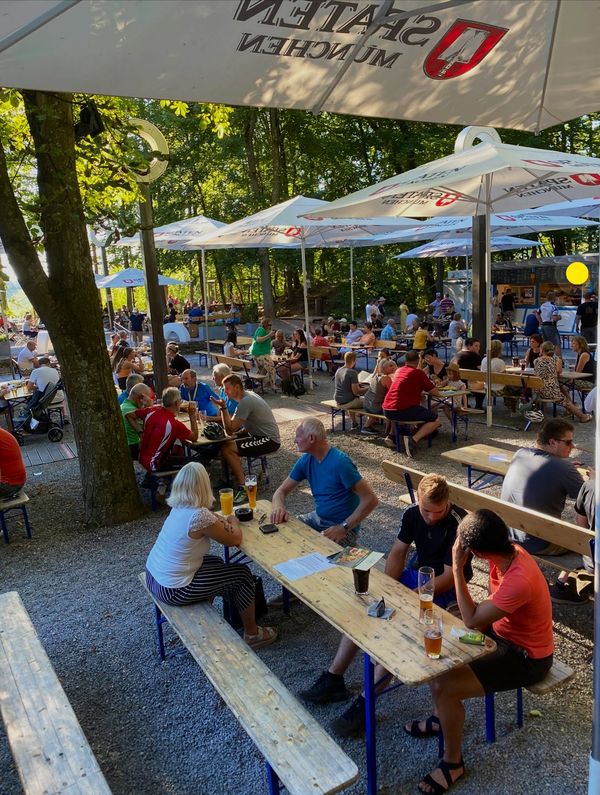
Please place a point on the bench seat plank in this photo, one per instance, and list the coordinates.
(556, 676)
(49, 747)
(303, 755)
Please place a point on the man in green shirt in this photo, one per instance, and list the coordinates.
(260, 350)
(140, 397)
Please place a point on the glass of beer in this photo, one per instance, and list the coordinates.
(250, 486)
(226, 498)
(361, 581)
(426, 588)
(433, 630)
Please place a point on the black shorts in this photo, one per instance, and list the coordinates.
(411, 414)
(509, 667)
(255, 446)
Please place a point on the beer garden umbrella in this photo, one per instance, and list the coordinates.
(463, 247)
(131, 277)
(282, 226)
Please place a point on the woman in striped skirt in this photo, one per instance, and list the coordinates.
(179, 570)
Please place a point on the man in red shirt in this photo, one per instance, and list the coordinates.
(12, 469)
(402, 402)
(161, 430)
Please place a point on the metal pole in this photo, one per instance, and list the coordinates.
(109, 300)
(155, 303)
(206, 329)
(594, 769)
(351, 283)
(306, 318)
(488, 302)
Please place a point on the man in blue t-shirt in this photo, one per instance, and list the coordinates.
(389, 330)
(200, 393)
(343, 498)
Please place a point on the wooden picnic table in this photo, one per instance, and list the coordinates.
(397, 644)
(488, 460)
(15, 396)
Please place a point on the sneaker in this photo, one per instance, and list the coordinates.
(328, 689)
(390, 442)
(566, 595)
(355, 427)
(370, 431)
(410, 446)
(351, 723)
(240, 496)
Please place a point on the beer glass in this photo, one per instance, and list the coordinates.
(361, 581)
(433, 630)
(426, 588)
(251, 488)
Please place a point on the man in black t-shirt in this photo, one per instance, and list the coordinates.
(507, 304)
(431, 525)
(587, 318)
(470, 359)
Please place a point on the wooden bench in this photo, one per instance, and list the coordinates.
(16, 503)
(299, 754)
(554, 531)
(400, 428)
(533, 522)
(241, 366)
(48, 745)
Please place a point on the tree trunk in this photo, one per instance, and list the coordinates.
(68, 302)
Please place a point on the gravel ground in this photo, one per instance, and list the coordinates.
(160, 728)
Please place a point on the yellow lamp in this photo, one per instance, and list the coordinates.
(578, 273)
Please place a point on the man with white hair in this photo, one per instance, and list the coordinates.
(27, 360)
(343, 498)
(221, 371)
(42, 378)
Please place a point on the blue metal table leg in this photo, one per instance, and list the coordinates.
(285, 597)
(469, 475)
(160, 620)
(490, 718)
(273, 782)
(371, 740)
(454, 424)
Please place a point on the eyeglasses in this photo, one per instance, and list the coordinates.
(569, 442)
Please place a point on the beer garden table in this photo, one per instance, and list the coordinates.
(397, 644)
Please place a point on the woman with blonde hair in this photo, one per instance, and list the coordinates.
(179, 570)
(548, 367)
(583, 364)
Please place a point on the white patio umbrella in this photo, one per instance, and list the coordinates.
(525, 64)
(282, 226)
(505, 224)
(173, 236)
(131, 277)
(463, 247)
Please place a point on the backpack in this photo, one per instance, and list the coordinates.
(293, 386)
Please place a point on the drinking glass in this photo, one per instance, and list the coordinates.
(361, 581)
(433, 630)
(426, 588)
(226, 498)
(251, 488)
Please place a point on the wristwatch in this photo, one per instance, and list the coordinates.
(346, 526)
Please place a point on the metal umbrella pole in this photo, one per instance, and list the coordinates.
(488, 308)
(206, 329)
(306, 318)
(351, 283)
(594, 767)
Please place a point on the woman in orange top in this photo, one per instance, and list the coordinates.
(125, 364)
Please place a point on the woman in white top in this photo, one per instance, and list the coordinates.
(179, 570)
(497, 364)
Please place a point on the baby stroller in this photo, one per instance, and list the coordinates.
(40, 417)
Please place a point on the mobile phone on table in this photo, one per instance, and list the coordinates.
(268, 528)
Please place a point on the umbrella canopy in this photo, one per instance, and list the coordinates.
(463, 247)
(130, 277)
(520, 177)
(174, 236)
(526, 64)
(459, 226)
(588, 208)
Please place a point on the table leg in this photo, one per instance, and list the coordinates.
(371, 741)
(454, 423)
(469, 474)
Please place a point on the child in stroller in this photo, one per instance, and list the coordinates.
(38, 416)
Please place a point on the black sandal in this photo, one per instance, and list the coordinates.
(435, 787)
(430, 731)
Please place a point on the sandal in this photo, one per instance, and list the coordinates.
(265, 636)
(432, 727)
(435, 787)
(586, 418)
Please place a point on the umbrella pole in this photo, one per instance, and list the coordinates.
(351, 283)
(206, 330)
(488, 293)
(306, 318)
(594, 769)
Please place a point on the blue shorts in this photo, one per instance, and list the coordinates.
(409, 577)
